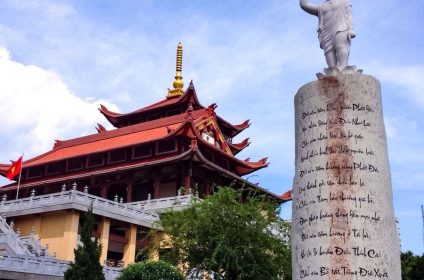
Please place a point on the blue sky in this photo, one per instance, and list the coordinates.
(60, 59)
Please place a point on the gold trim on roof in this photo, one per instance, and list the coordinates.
(178, 82)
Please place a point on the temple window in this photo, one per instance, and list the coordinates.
(208, 138)
(74, 164)
(35, 172)
(95, 160)
(166, 146)
(168, 189)
(117, 156)
(142, 151)
(54, 168)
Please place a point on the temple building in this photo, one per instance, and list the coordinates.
(156, 158)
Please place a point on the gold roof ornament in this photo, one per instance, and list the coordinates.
(178, 82)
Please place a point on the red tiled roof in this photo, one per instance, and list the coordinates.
(190, 96)
(137, 134)
(159, 104)
(4, 168)
(105, 111)
(287, 196)
(103, 145)
(243, 167)
(114, 139)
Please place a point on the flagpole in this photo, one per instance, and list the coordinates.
(20, 173)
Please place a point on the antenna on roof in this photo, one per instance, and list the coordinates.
(178, 82)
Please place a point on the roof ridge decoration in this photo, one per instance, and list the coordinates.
(238, 147)
(238, 177)
(210, 133)
(100, 128)
(178, 82)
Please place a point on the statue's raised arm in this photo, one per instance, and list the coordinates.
(335, 30)
(309, 8)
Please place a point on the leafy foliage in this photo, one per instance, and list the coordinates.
(87, 257)
(229, 235)
(151, 271)
(412, 266)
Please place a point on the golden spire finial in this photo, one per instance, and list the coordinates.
(178, 82)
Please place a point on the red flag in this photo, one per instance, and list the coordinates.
(287, 196)
(15, 169)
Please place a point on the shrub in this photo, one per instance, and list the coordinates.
(151, 271)
(230, 234)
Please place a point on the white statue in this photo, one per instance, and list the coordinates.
(334, 29)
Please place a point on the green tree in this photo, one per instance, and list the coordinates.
(87, 256)
(230, 235)
(412, 266)
(147, 270)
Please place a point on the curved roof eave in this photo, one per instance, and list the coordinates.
(177, 131)
(250, 166)
(238, 147)
(230, 174)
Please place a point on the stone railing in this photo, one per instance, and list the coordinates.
(10, 238)
(34, 265)
(166, 203)
(45, 266)
(111, 273)
(74, 199)
(34, 246)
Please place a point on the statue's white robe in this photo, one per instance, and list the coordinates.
(333, 18)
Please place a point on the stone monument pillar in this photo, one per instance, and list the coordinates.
(343, 224)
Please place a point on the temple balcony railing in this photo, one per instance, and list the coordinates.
(33, 265)
(81, 201)
(44, 266)
(167, 203)
(111, 273)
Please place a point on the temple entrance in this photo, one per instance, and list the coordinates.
(115, 253)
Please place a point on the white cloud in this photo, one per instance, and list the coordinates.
(410, 77)
(391, 129)
(38, 107)
(44, 8)
(4, 54)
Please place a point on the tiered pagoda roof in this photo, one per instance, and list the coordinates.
(139, 134)
(170, 106)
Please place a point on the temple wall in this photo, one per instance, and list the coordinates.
(57, 229)
(168, 189)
